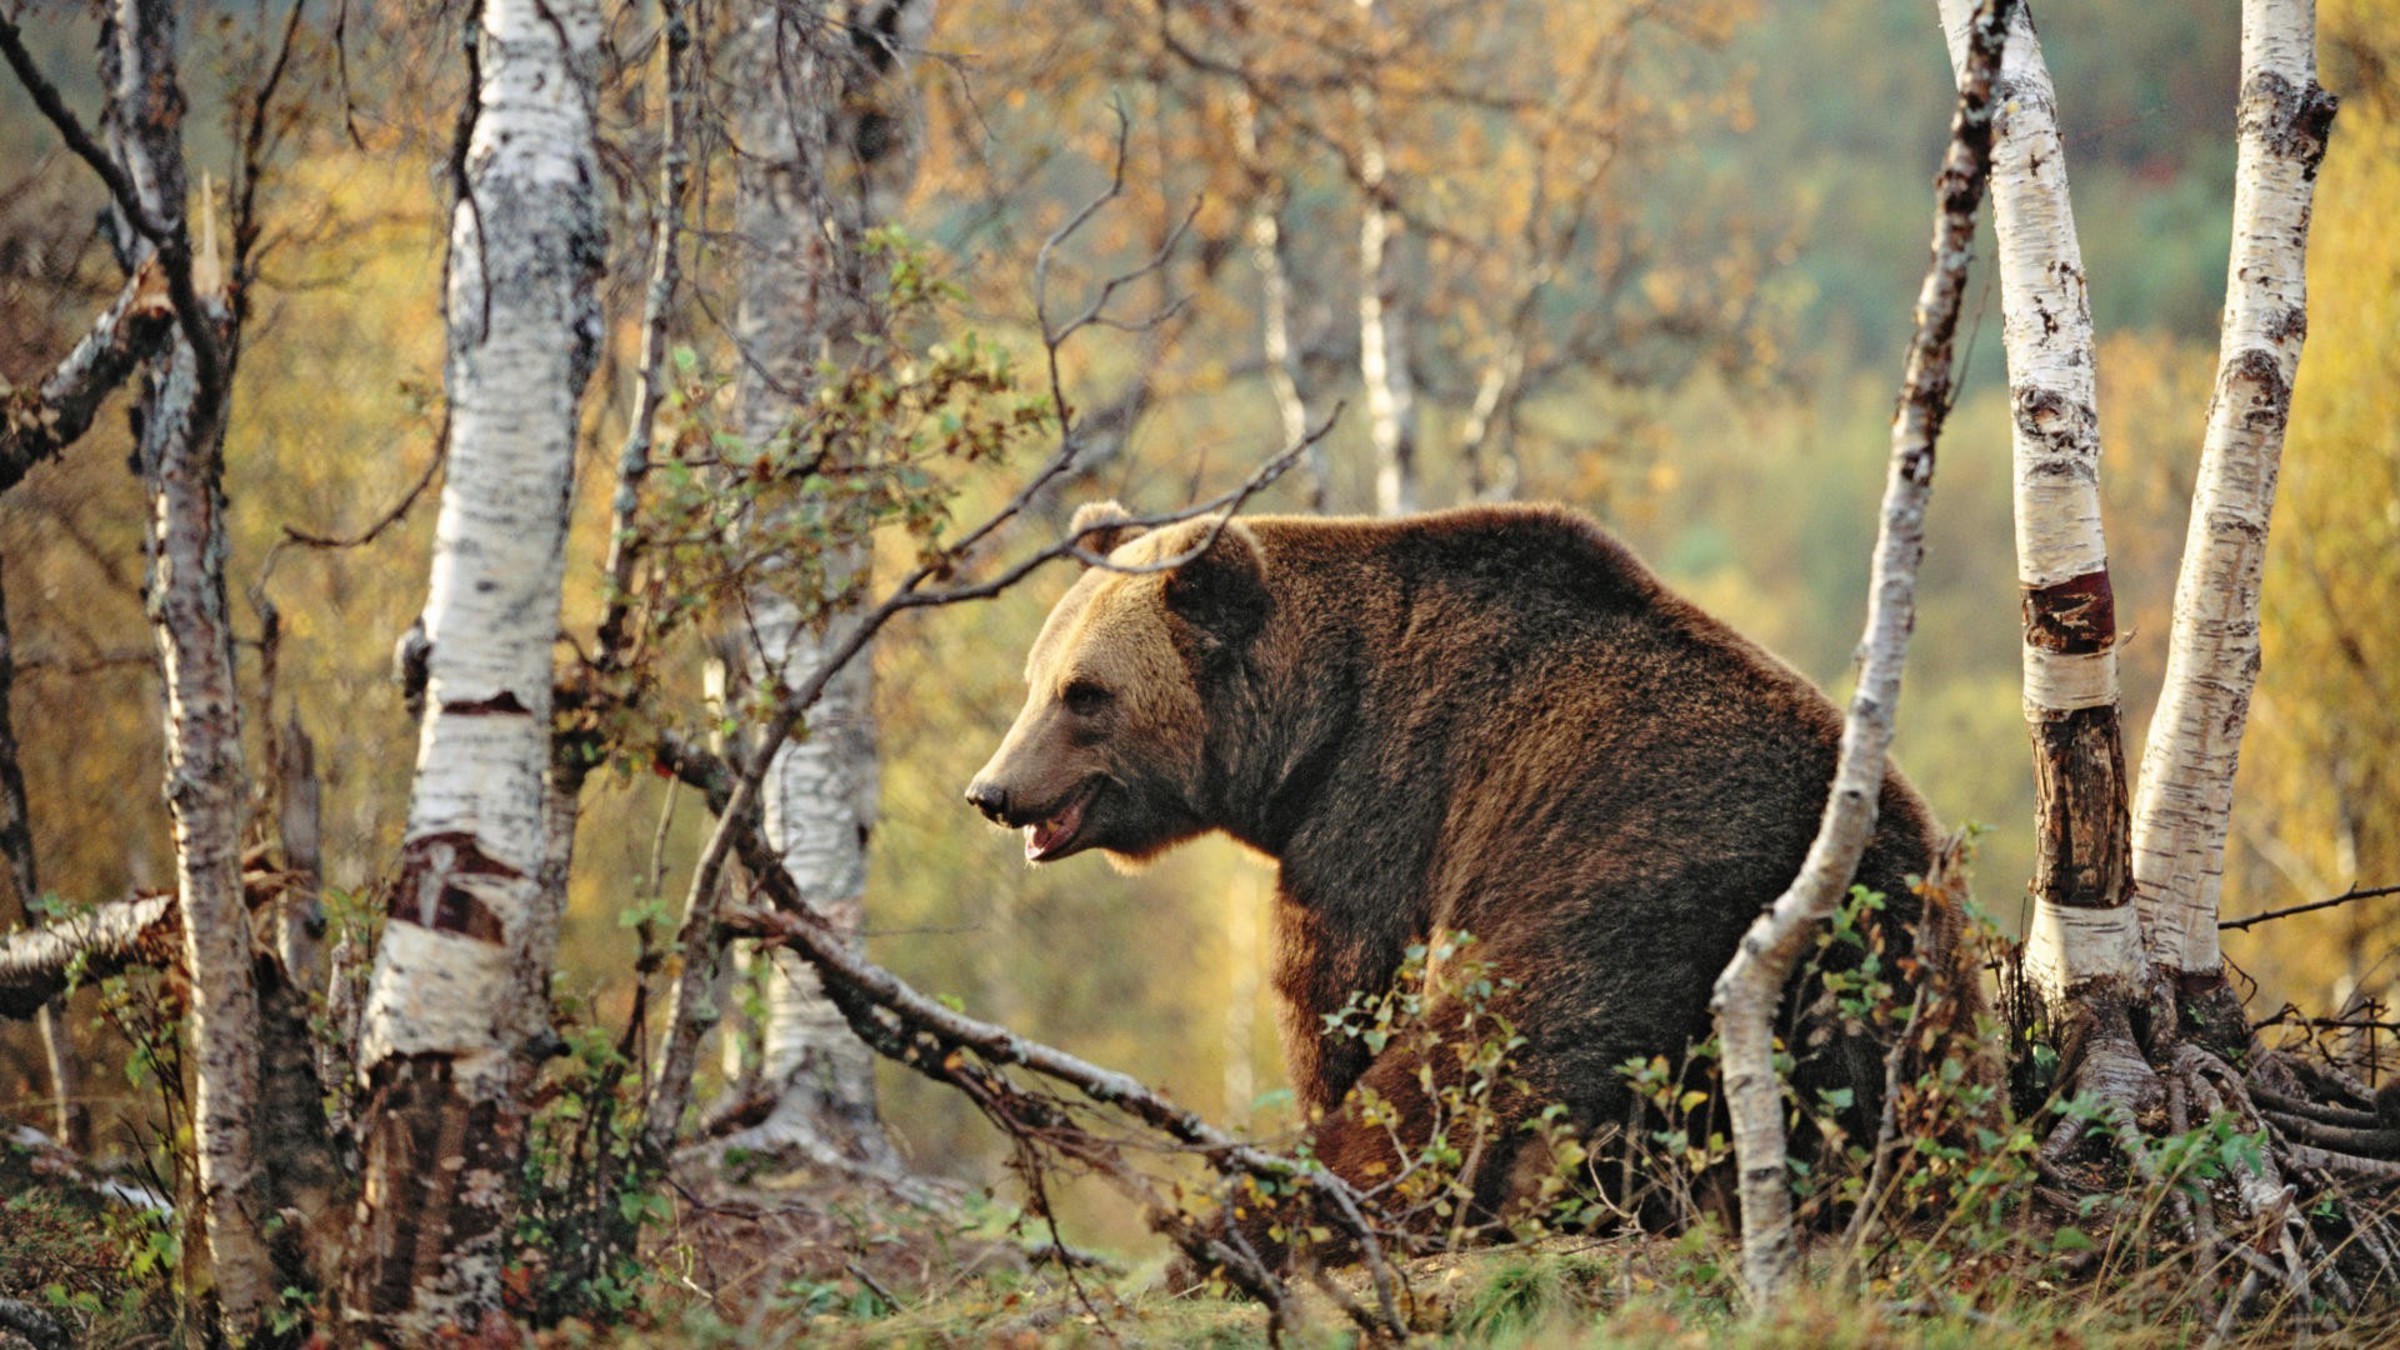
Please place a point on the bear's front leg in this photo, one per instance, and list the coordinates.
(1321, 963)
(1429, 1138)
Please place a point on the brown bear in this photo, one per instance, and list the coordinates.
(1493, 720)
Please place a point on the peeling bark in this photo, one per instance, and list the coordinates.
(1751, 987)
(456, 1012)
(2186, 799)
(2084, 928)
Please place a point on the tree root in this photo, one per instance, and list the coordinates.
(2311, 1216)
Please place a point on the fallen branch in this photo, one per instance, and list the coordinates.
(963, 1052)
(39, 964)
(930, 1038)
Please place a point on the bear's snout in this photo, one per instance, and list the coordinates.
(990, 798)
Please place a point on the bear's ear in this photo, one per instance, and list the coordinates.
(1099, 527)
(1223, 592)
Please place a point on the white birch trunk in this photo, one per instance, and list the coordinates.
(2186, 798)
(181, 452)
(1265, 232)
(1751, 987)
(1382, 318)
(824, 135)
(457, 1003)
(2084, 925)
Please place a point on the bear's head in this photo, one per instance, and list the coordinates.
(1111, 750)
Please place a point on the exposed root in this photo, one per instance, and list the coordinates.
(2324, 1113)
(2374, 1169)
(2309, 1214)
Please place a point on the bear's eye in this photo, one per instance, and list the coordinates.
(1083, 698)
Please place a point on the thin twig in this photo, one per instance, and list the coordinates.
(2354, 893)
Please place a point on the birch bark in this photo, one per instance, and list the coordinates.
(180, 449)
(1751, 987)
(2186, 798)
(1382, 319)
(2084, 927)
(453, 1007)
(824, 131)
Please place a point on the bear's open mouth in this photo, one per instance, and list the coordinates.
(1055, 836)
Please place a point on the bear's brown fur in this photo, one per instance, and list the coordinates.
(1490, 720)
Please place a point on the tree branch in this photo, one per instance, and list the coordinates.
(37, 424)
(46, 97)
(169, 236)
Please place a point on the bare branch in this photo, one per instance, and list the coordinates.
(254, 154)
(170, 236)
(2353, 894)
(70, 128)
(861, 988)
(292, 534)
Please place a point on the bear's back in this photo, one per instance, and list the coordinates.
(1607, 783)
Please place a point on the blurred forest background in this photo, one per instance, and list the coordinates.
(1700, 224)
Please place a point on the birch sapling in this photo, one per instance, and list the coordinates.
(1751, 987)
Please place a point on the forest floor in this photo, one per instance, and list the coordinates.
(806, 1262)
(802, 1259)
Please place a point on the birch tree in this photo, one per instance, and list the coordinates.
(1752, 985)
(2083, 947)
(2186, 800)
(183, 398)
(1382, 314)
(1269, 192)
(455, 1011)
(824, 123)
